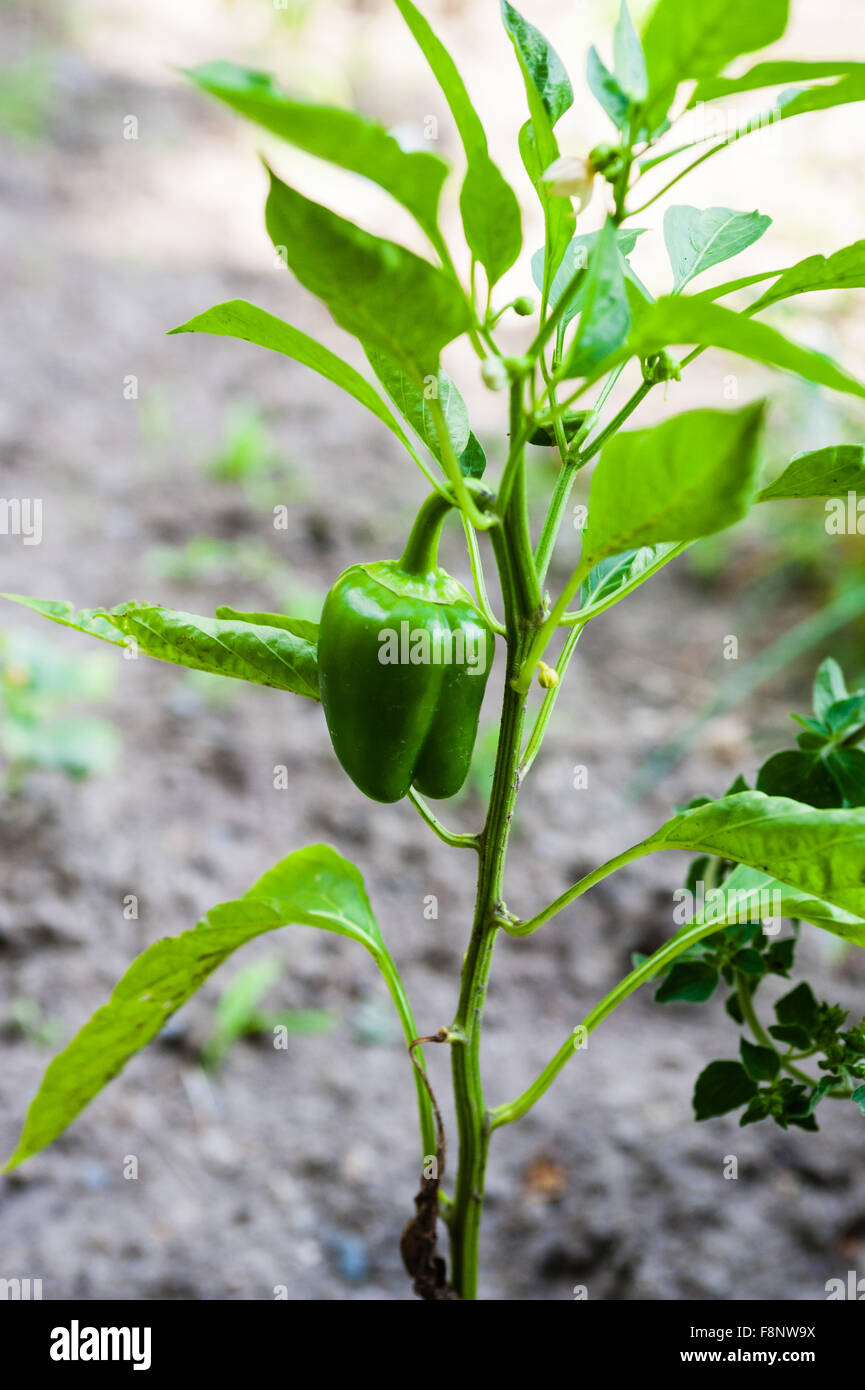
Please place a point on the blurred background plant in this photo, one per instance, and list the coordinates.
(38, 684)
(240, 1013)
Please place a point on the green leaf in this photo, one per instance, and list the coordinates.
(491, 217)
(300, 627)
(313, 887)
(540, 62)
(847, 766)
(829, 686)
(689, 982)
(549, 94)
(473, 460)
(846, 714)
(674, 320)
(843, 270)
(687, 477)
(629, 61)
(721, 1087)
(801, 776)
(490, 209)
(273, 656)
(859, 1097)
(821, 473)
(605, 316)
(749, 961)
(386, 296)
(413, 402)
(238, 319)
(697, 240)
(619, 574)
(772, 74)
(799, 1007)
(606, 90)
(342, 137)
(779, 956)
(761, 1063)
(748, 893)
(821, 853)
(699, 39)
(791, 1034)
(576, 258)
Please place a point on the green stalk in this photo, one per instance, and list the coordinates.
(515, 1109)
(511, 544)
(410, 1032)
(472, 1121)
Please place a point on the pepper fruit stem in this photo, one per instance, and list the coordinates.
(420, 556)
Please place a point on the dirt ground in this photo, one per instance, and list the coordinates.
(297, 1168)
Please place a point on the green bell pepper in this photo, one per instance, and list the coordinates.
(403, 657)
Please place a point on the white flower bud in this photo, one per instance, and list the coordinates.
(571, 177)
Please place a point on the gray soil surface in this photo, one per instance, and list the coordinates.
(297, 1168)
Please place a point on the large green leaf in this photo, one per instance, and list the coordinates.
(697, 240)
(673, 320)
(384, 294)
(343, 137)
(264, 655)
(821, 853)
(238, 319)
(772, 74)
(313, 887)
(605, 312)
(820, 473)
(844, 270)
(697, 38)
(489, 206)
(687, 477)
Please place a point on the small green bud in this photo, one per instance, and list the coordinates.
(524, 306)
(495, 374)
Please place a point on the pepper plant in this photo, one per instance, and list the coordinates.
(402, 655)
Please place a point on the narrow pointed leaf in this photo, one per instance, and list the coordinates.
(673, 320)
(540, 63)
(273, 656)
(772, 74)
(340, 136)
(606, 89)
(605, 316)
(549, 94)
(313, 887)
(629, 60)
(844, 270)
(489, 206)
(238, 319)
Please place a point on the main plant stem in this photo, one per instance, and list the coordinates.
(521, 597)
(472, 1119)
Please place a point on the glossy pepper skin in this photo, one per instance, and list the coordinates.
(399, 713)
